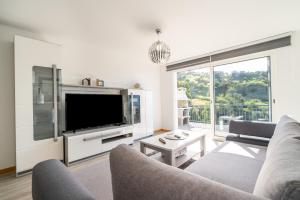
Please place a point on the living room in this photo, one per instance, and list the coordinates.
(208, 89)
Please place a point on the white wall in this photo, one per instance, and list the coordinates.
(116, 66)
(168, 102)
(285, 66)
(285, 80)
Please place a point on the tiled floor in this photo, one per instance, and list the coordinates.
(12, 188)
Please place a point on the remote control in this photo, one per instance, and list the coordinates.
(162, 140)
(177, 136)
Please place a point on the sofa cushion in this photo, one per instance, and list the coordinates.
(256, 129)
(138, 177)
(232, 163)
(280, 175)
(286, 127)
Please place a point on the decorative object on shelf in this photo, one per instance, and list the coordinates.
(137, 86)
(40, 97)
(86, 82)
(159, 52)
(99, 83)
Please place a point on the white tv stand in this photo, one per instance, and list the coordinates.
(89, 143)
(85, 144)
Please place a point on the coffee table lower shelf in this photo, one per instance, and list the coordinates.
(179, 160)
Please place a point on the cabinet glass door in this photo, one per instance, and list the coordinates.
(43, 101)
(135, 107)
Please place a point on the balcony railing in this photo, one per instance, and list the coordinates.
(226, 112)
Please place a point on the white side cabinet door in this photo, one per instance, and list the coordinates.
(149, 113)
(29, 53)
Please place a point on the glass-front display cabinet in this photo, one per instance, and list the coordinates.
(135, 107)
(46, 82)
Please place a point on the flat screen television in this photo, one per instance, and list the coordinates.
(84, 111)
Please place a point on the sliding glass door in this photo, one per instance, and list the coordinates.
(215, 95)
(194, 99)
(242, 92)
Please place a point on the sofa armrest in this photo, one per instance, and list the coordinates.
(138, 177)
(52, 180)
(256, 129)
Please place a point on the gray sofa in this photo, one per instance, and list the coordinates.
(235, 170)
(255, 162)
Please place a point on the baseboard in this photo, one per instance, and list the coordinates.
(8, 170)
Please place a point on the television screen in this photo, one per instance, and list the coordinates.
(92, 110)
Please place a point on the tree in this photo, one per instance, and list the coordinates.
(238, 91)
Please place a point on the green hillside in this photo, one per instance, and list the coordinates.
(237, 92)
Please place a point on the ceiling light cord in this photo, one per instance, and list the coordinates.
(158, 32)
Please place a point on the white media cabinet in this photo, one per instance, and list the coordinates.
(137, 105)
(85, 144)
(39, 110)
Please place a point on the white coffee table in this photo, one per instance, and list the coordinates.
(172, 147)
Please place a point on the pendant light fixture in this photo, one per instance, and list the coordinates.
(159, 52)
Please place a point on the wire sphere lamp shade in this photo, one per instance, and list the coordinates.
(159, 52)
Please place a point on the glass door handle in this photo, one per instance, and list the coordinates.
(55, 103)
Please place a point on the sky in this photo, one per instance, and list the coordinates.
(260, 64)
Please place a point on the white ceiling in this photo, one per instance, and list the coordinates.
(190, 27)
